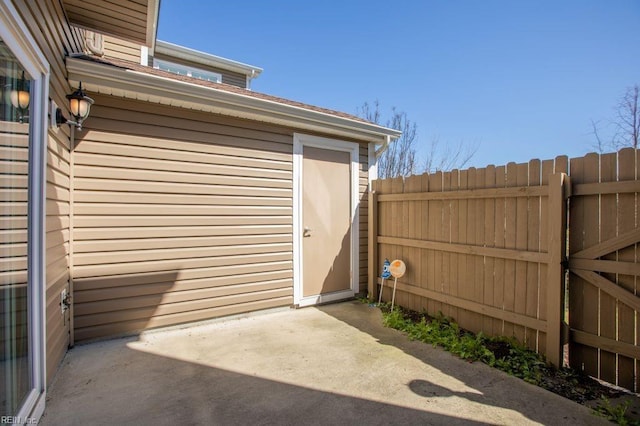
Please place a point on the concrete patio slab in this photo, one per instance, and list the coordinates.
(334, 364)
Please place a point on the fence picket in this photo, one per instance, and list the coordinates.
(487, 247)
(489, 323)
(499, 266)
(454, 237)
(471, 292)
(397, 225)
(435, 230)
(470, 234)
(510, 242)
(608, 217)
(412, 255)
(533, 244)
(424, 255)
(547, 171)
(478, 216)
(583, 296)
(520, 301)
(446, 237)
(386, 216)
(628, 327)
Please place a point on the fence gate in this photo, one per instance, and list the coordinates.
(604, 285)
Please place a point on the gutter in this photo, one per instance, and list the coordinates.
(111, 80)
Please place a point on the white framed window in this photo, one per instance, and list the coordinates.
(180, 69)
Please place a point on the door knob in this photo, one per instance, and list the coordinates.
(307, 232)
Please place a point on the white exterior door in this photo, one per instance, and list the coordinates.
(325, 220)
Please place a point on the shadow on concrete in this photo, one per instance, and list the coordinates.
(493, 387)
(146, 389)
(288, 368)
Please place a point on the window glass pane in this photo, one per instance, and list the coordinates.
(185, 70)
(15, 381)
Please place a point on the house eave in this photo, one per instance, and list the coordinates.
(120, 21)
(191, 55)
(100, 78)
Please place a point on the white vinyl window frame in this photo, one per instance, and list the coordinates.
(299, 142)
(180, 69)
(17, 37)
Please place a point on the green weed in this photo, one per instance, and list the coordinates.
(442, 331)
(503, 353)
(616, 414)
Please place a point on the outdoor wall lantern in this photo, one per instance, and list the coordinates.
(79, 106)
(20, 97)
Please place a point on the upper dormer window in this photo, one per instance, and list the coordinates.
(187, 70)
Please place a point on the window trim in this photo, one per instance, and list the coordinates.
(189, 69)
(15, 33)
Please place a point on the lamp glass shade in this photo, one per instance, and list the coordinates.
(20, 99)
(79, 108)
(79, 104)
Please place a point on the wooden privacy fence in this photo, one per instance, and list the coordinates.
(488, 247)
(603, 263)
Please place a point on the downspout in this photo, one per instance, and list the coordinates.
(94, 43)
(384, 147)
(374, 154)
(250, 78)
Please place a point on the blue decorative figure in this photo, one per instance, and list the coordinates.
(386, 273)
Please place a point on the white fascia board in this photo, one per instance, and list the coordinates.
(115, 81)
(187, 54)
(153, 10)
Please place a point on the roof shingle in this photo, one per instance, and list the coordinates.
(132, 66)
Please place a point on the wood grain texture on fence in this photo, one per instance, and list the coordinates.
(488, 247)
(603, 261)
(475, 245)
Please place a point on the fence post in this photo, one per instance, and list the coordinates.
(373, 245)
(558, 192)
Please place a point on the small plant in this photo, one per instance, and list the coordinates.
(395, 319)
(442, 331)
(523, 363)
(503, 353)
(616, 414)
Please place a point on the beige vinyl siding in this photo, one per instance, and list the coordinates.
(228, 77)
(57, 245)
(14, 166)
(56, 38)
(121, 49)
(232, 78)
(122, 18)
(184, 217)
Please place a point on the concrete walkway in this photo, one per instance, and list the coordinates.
(332, 365)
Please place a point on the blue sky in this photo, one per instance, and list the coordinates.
(519, 79)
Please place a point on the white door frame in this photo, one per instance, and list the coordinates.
(17, 37)
(299, 142)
